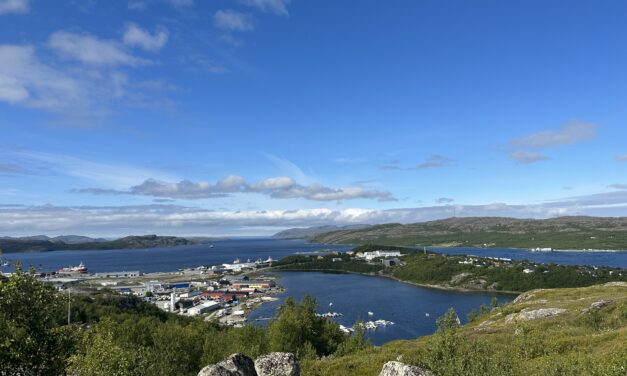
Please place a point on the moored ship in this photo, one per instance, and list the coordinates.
(81, 268)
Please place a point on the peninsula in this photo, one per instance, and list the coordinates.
(565, 233)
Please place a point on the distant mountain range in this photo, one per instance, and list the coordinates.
(68, 239)
(310, 232)
(42, 243)
(575, 233)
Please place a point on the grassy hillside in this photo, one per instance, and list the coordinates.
(587, 335)
(556, 233)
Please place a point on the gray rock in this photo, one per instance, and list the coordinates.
(215, 370)
(528, 315)
(599, 304)
(459, 277)
(401, 369)
(277, 364)
(614, 284)
(234, 365)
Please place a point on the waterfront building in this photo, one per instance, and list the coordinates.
(369, 256)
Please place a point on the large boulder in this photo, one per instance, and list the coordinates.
(402, 369)
(277, 364)
(528, 314)
(234, 365)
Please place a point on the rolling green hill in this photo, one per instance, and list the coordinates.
(574, 331)
(558, 233)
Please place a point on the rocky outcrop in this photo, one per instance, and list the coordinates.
(273, 364)
(614, 284)
(528, 315)
(277, 364)
(402, 369)
(234, 365)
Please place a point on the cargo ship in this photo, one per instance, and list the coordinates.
(81, 268)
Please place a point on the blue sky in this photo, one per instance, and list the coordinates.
(244, 117)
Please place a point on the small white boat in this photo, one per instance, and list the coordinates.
(427, 314)
(370, 313)
(5, 263)
(331, 304)
(211, 246)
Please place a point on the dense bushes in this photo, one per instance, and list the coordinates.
(32, 341)
(342, 263)
(440, 269)
(122, 335)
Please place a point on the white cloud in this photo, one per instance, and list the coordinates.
(277, 187)
(232, 20)
(527, 157)
(136, 36)
(570, 133)
(272, 6)
(81, 93)
(173, 219)
(524, 149)
(14, 6)
(89, 49)
(26, 81)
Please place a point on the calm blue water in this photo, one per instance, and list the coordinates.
(168, 259)
(355, 295)
(613, 259)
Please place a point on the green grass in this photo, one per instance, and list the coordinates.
(568, 344)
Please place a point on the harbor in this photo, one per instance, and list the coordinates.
(226, 293)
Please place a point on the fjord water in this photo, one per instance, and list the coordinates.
(612, 259)
(169, 258)
(355, 295)
(225, 251)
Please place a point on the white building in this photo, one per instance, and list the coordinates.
(373, 255)
(203, 308)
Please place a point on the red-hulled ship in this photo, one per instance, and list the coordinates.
(81, 268)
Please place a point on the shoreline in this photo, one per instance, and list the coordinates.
(416, 284)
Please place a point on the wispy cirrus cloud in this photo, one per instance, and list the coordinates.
(14, 6)
(445, 200)
(10, 168)
(281, 187)
(180, 3)
(527, 157)
(621, 157)
(272, 6)
(232, 20)
(433, 161)
(524, 149)
(109, 175)
(617, 186)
